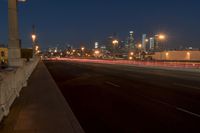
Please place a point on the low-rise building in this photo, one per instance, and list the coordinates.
(187, 55)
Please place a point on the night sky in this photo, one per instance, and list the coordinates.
(86, 21)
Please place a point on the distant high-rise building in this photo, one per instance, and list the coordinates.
(109, 44)
(126, 43)
(131, 40)
(96, 45)
(144, 41)
(156, 44)
(152, 43)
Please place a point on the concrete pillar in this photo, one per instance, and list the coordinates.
(14, 48)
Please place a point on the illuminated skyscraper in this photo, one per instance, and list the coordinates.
(144, 41)
(131, 41)
(152, 43)
(96, 45)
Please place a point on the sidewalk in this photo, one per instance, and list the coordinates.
(41, 108)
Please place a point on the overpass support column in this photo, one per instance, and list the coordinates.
(14, 48)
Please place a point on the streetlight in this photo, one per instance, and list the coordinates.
(139, 46)
(97, 52)
(55, 51)
(188, 55)
(130, 58)
(139, 49)
(36, 48)
(131, 53)
(34, 38)
(82, 48)
(115, 43)
(160, 37)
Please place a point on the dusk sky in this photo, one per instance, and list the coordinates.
(86, 21)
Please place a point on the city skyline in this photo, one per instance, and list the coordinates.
(87, 22)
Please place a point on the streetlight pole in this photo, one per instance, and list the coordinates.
(82, 51)
(159, 38)
(115, 43)
(34, 37)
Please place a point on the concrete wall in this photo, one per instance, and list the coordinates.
(178, 55)
(11, 83)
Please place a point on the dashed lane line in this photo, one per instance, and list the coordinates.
(112, 84)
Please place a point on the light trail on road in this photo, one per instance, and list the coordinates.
(185, 65)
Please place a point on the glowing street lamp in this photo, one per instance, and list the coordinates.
(160, 37)
(82, 51)
(36, 48)
(130, 58)
(82, 48)
(139, 46)
(131, 53)
(34, 38)
(188, 55)
(115, 42)
(97, 52)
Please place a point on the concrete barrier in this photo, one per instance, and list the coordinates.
(12, 80)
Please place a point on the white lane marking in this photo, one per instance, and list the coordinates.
(187, 86)
(112, 84)
(188, 112)
(177, 108)
(161, 102)
(165, 103)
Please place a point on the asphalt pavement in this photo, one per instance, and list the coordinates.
(126, 99)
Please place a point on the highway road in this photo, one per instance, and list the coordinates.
(111, 98)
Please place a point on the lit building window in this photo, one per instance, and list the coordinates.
(188, 55)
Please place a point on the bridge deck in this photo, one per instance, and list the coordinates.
(41, 108)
